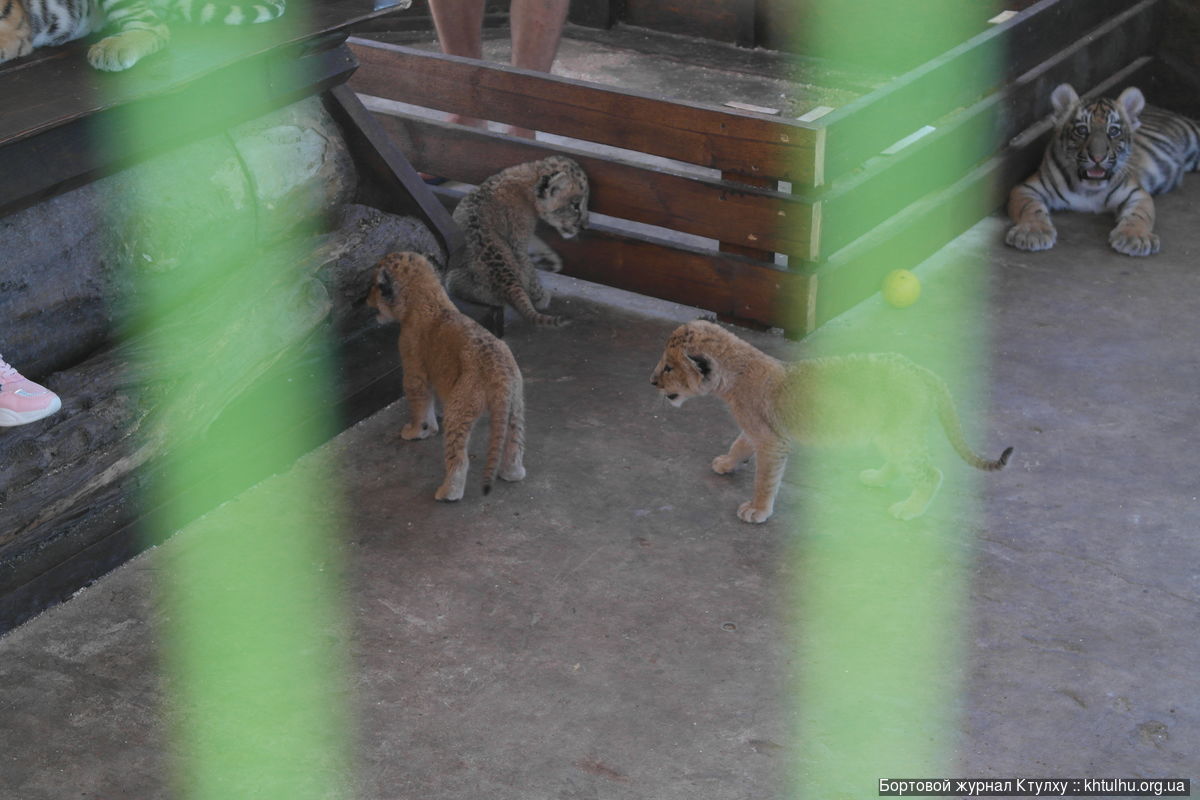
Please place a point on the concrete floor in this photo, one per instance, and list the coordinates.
(609, 629)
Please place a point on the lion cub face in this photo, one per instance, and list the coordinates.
(561, 196)
(399, 270)
(680, 376)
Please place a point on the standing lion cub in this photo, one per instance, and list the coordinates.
(884, 399)
(448, 355)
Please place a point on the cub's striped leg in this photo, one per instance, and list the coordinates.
(1032, 229)
(16, 34)
(140, 32)
(1134, 234)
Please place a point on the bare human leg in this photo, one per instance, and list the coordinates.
(536, 31)
(459, 26)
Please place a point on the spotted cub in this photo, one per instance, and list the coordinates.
(498, 220)
(449, 356)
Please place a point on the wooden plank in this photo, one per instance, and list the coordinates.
(729, 211)
(70, 154)
(720, 20)
(404, 190)
(886, 185)
(734, 287)
(723, 139)
(56, 85)
(594, 13)
(906, 239)
(859, 130)
(756, 253)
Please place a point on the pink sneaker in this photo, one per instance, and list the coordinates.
(22, 400)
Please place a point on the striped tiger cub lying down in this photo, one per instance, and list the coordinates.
(140, 26)
(1106, 155)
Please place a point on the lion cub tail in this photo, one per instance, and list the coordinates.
(952, 425)
(524, 306)
(501, 412)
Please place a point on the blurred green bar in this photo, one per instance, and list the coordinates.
(252, 643)
(881, 607)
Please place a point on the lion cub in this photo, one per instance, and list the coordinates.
(448, 355)
(883, 398)
(498, 219)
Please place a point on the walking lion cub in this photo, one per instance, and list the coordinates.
(884, 399)
(447, 355)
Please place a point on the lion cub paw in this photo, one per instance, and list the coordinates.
(748, 512)
(448, 493)
(512, 473)
(874, 477)
(723, 465)
(905, 510)
(418, 430)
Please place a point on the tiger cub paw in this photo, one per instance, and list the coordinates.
(723, 465)
(1132, 242)
(1032, 236)
(748, 512)
(14, 45)
(123, 50)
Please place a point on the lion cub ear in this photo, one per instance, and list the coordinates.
(552, 184)
(701, 364)
(386, 287)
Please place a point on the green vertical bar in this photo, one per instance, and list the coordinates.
(882, 605)
(250, 642)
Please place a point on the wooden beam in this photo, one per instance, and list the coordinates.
(734, 287)
(724, 139)
(404, 190)
(730, 211)
(861, 129)
(61, 157)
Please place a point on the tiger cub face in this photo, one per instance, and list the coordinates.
(1097, 137)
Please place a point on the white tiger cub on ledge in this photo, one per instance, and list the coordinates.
(883, 398)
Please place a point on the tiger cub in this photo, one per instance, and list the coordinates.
(884, 399)
(498, 219)
(448, 356)
(140, 26)
(1106, 155)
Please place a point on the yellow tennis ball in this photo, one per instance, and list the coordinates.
(901, 288)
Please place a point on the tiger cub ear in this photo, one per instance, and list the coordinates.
(1134, 103)
(1063, 98)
